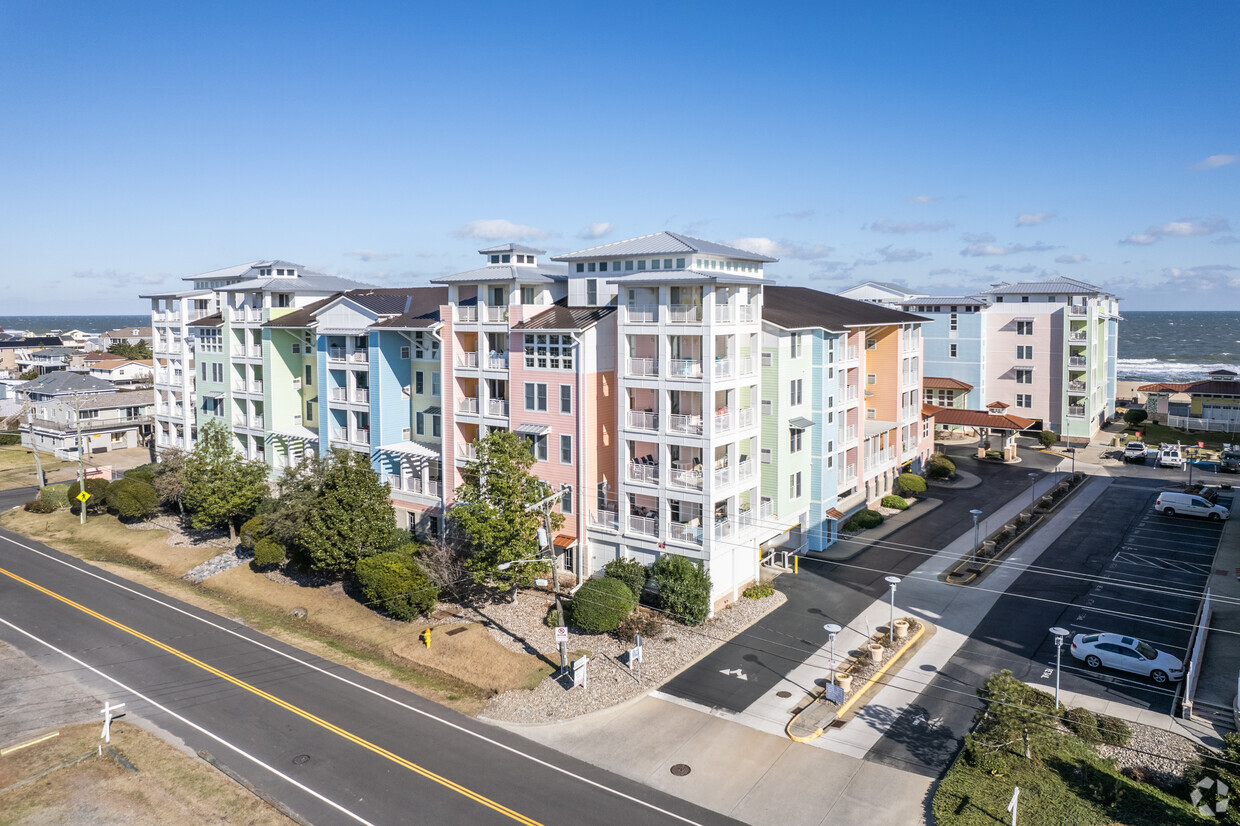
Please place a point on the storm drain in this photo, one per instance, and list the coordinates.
(300, 759)
(783, 694)
(681, 769)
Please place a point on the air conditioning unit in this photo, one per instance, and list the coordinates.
(297, 419)
(768, 359)
(406, 433)
(765, 455)
(297, 384)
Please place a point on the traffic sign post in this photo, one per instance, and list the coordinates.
(108, 710)
(83, 496)
(561, 634)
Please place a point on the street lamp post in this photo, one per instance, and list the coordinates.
(891, 623)
(832, 629)
(1059, 633)
(1033, 490)
(975, 513)
(1072, 453)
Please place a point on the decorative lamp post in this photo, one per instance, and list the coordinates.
(975, 513)
(832, 629)
(1033, 490)
(891, 624)
(1059, 633)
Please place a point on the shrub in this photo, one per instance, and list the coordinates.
(867, 518)
(57, 495)
(639, 622)
(253, 531)
(553, 618)
(1048, 438)
(1082, 723)
(39, 506)
(10, 439)
(394, 584)
(132, 499)
(684, 588)
(940, 467)
(143, 473)
(1113, 731)
(897, 502)
(98, 490)
(994, 454)
(629, 571)
(268, 552)
(1135, 415)
(600, 605)
(907, 483)
(761, 591)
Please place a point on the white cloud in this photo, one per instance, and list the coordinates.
(1074, 258)
(977, 237)
(782, 249)
(371, 255)
(887, 225)
(1033, 219)
(1178, 229)
(924, 199)
(1203, 271)
(900, 255)
(598, 229)
(978, 250)
(1215, 161)
(499, 229)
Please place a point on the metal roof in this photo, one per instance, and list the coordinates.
(521, 273)
(512, 248)
(235, 271)
(1053, 286)
(64, 381)
(532, 429)
(562, 317)
(314, 282)
(216, 320)
(944, 383)
(943, 300)
(686, 276)
(662, 243)
(801, 423)
(977, 418)
(798, 308)
(177, 294)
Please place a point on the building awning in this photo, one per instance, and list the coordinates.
(833, 513)
(433, 411)
(874, 427)
(298, 434)
(531, 429)
(565, 542)
(410, 449)
(801, 423)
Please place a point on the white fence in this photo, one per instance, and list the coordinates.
(1185, 423)
(1193, 666)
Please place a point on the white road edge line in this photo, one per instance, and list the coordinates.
(371, 691)
(191, 724)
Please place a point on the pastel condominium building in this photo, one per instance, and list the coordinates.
(676, 400)
(1046, 349)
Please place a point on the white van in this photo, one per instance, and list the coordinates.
(1170, 456)
(1187, 504)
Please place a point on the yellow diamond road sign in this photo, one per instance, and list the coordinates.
(83, 496)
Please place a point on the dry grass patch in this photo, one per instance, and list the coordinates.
(17, 468)
(170, 786)
(104, 538)
(469, 653)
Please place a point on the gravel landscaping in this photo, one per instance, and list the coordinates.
(1164, 754)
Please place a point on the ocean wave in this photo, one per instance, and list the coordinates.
(1159, 370)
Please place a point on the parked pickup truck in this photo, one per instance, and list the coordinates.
(1229, 460)
(1135, 452)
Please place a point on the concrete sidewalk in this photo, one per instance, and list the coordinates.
(1220, 663)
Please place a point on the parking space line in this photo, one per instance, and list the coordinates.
(1160, 563)
(1160, 645)
(1111, 678)
(1137, 547)
(1166, 609)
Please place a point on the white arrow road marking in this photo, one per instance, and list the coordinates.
(736, 672)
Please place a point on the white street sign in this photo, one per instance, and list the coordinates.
(561, 634)
(579, 672)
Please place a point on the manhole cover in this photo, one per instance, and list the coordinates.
(783, 694)
(680, 769)
(301, 758)
(460, 630)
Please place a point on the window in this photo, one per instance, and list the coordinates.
(1024, 352)
(794, 440)
(404, 352)
(552, 351)
(419, 382)
(566, 398)
(217, 372)
(764, 455)
(1024, 377)
(641, 265)
(566, 449)
(527, 295)
(538, 448)
(309, 375)
(680, 263)
(1024, 299)
(536, 398)
(794, 486)
(953, 322)
(1050, 299)
(419, 423)
(435, 391)
(204, 371)
(952, 351)
(654, 265)
(602, 266)
(1024, 400)
(871, 413)
(591, 290)
(628, 265)
(871, 344)
(309, 412)
(1024, 328)
(435, 426)
(871, 378)
(795, 391)
(796, 345)
(581, 268)
(566, 506)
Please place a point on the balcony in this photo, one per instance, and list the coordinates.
(644, 525)
(643, 314)
(643, 367)
(723, 476)
(609, 520)
(1076, 361)
(340, 394)
(359, 356)
(723, 528)
(723, 422)
(339, 438)
(880, 457)
(723, 313)
(684, 478)
(723, 368)
(766, 509)
(646, 474)
(467, 405)
(684, 314)
(415, 485)
(848, 475)
(1076, 411)
(1076, 309)
(1078, 335)
(496, 315)
(746, 418)
(467, 313)
(744, 519)
(746, 365)
(685, 532)
(497, 407)
(677, 423)
(850, 354)
(467, 452)
(497, 361)
(1077, 387)
(745, 469)
(361, 395)
(639, 420)
(746, 312)
(335, 353)
(362, 434)
(851, 393)
(686, 368)
(467, 360)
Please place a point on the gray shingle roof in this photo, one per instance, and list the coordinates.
(798, 308)
(512, 248)
(53, 352)
(1053, 286)
(560, 316)
(403, 305)
(662, 243)
(124, 398)
(64, 381)
(538, 274)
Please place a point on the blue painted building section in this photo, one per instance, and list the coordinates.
(320, 345)
(937, 339)
(391, 419)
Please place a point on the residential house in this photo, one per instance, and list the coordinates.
(129, 335)
(104, 422)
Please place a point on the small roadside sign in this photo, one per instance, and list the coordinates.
(579, 672)
(635, 655)
(833, 693)
(83, 496)
(561, 634)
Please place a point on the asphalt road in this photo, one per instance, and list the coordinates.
(1123, 569)
(334, 745)
(839, 591)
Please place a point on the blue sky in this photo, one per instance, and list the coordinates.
(943, 146)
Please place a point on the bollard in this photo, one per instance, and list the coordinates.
(426, 637)
(796, 564)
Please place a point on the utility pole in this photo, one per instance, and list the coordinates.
(38, 461)
(545, 505)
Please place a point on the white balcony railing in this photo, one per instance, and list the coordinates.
(467, 313)
(848, 475)
(335, 353)
(649, 474)
(723, 313)
(468, 451)
(605, 519)
(684, 313)
(643, 314)
(723, 476)
(467, 405)
(1078, 335)
(744, 518)
(256, 352)
(644, 525)
(685, 532)
(362, 434)
(746, 312)
(497, 361)
(361, 395)
(641, 420)
(467, 360)
(360, 356)
(850, 393)
(723, 367)
(1076, 411)
(723, 528)
(679, 423)
(1076, 309)
(686, 368)
(497, 407)
(496, 315)
(745, 469)
(723, 422)
(766, 509)
(1077, 387)
(643, 367)
(850, 354)
(686, 478)
(340, 394)
(746, 365)
(1076, 361)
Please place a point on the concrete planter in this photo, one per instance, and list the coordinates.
(876, 652)
(844, 681)
(901, 628)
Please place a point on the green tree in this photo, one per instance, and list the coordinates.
(491, 509)
(168, 477)
(1048, 438)
(125, 350)
(352, 518)
(221, 487)
(684, 588)
(1135, 415)
(601, 605)
(297, 494)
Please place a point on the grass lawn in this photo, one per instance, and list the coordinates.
(17, 468)
(462, 673)
(1155, 434)
(170, 786)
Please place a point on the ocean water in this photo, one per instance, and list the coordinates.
(1177, 346)
(86, 323)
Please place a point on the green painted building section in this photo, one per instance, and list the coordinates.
(781, 464)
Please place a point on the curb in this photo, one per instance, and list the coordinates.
(851, 701)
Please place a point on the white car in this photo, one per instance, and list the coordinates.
(1127, 654)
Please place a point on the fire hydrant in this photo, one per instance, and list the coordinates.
(426, 637)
